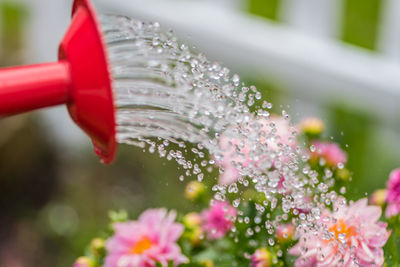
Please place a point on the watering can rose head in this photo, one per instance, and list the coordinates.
(80, 79)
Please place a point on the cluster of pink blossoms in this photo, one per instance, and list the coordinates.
(393, 194)
(142, 243)
(350, 236)
(153, 237)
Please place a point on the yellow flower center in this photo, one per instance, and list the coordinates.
(342, 231)
(141, 246)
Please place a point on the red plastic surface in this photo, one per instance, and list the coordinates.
(80, 79)
(92, 106)
(31, 87)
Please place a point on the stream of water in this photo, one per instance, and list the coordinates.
(166, 93)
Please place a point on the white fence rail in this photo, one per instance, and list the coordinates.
(305, 57)
(390, 37)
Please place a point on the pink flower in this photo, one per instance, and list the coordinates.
(350, 236)
(330, 152)
(285, 232)
(393, 194)
(237, 154)
(218, 219)
(142, 243)
(305, 206)
(261, 258)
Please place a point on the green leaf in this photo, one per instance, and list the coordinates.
(118, 216)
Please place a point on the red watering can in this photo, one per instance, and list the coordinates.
(80, 79)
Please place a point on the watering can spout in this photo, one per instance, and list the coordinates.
(80, 79)
(32, 87)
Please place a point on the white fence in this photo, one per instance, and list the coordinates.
(303, 54)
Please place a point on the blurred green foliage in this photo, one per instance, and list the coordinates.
(360, 22)
(371, 158)
(12, 23)
(265, 8)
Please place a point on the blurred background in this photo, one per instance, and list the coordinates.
(334, 59)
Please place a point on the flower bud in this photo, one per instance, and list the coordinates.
(378, 197)
(207, 263)
(196, 236)
(285, 232)
(312, 126)
(261, 258)
(84, 262)
(193, 229)
(343, 174)
(97, 246)
(195, 191)
(192, 219)
(118, 216)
